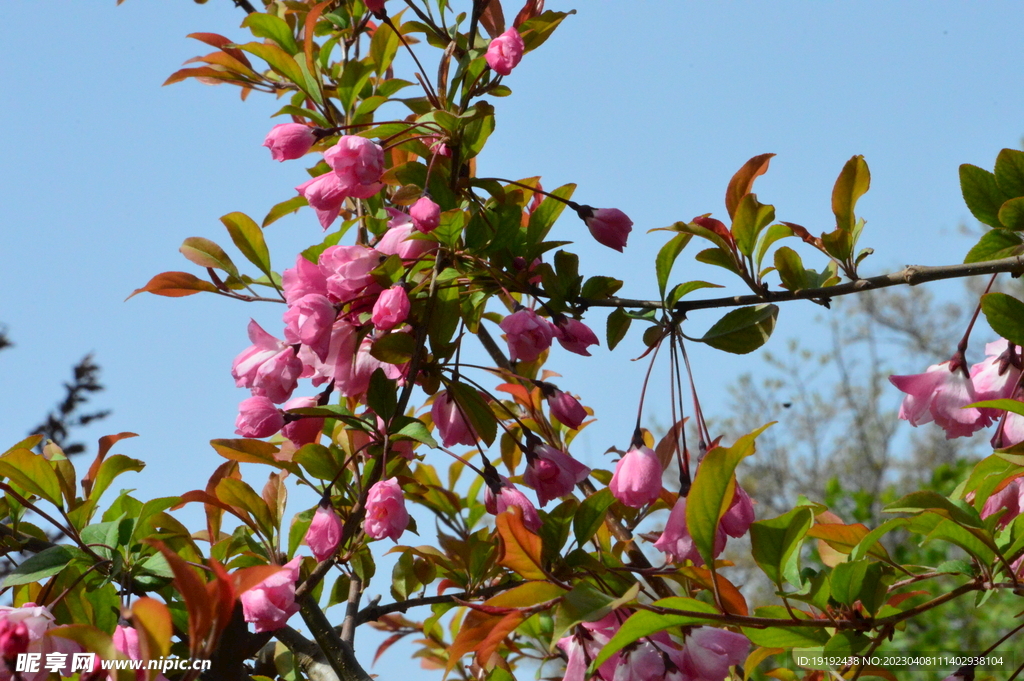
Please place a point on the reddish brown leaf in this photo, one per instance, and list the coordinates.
(497, 634)
(388, 642)
(105, 443)
(307, 41)
(175, 285)
(732, 599)
(899, 598)
(804, 234)
(493, 18)
(518, 392)
(193, 591)
(520, 548)
(225, 60)
(220, 42)
(531, 9)
(474, 630)
(668, 445)
(205, 74)
(202, 497)
(743, 181)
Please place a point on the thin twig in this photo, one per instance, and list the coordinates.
(374, 612)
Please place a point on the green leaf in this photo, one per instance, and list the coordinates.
(585, 603)
(871, 538)
(477, 130)
(743, 330)
(206, 253)
(644, 623)
(383, 47)
(786, 637)
(46, 563)
(853, 182)
(237, 493)
(275, 28)
(618, 325)
(776, 543)
(590, 515)
(248, 237)
(981, 194)
(416, 430)
(549, 210)
(1011, 214)
(382, 395)
(1005, 314)
(111, 468)
(1012, 406)
(680, 290)
(994, 245)
(718, 257)
(774, 233)
(918, 502)
(279, 60)
(394, 348)
(537, 30)
(866, 581)
(1010, 172)
(318, 461)
(33, 473)
(476, 410)
(599, 288)
(667, 258)
(353, 78)
(284, 208)
(751, 218)
(708, 499)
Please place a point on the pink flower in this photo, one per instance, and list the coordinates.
(528, 334)
(1010, 497)
(995, 377)
(347, 269)
(637, 478)
(324, 533)
(391, 308)
(126, 641)
(739, 515)
(358, 163)
(302, 431)
(609, 226)
(585, 644)
(644, 662)
(940, 394)
(289, 141)
(575, 336)
(425, 214)
(324, 194)
(398, 239)
(1010, 431)
(303, 279)
(453, 426)
(268, 367)
(308, 320)
(258, 417)
(675, 541)
(269, 604)
(566, 409)
(375, 6)
(552, 473)
(385, 511)
(510, 496)
(32, 622)
(505, 52)
(709, 652)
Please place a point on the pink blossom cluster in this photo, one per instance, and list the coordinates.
(24, 630)
(942, 394)
(356, 166)
(528, 335)
(706, 654)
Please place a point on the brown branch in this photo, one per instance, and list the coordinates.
(911, 275)
(374, 612)
(246, 5)
(32, 544)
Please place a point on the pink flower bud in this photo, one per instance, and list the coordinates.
(527, 334)
(609, 226)
(454, 428)
(268, 367)
(505, 52)
(709, 652)
(303, 279)
(325, 195)
(575, 336)
(324, 533)
(358, 164)
(510, 496)
(308, 320)
(14, 639)
(552, 473)
(739, 515)
(289, 141)
(375, 6)
(391, 308)
(385, 511)
(425, 214)
(637, 478)
(1009, 498)
(270, 604)
(566, 409)
(675, 541)
(302, 431)
(258, 417)
(126, 641)
(940, 394)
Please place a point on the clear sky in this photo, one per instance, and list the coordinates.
(649, 106)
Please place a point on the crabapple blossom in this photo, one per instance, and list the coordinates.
(450, 422)
(940, 394)
(637, 478)
(258, 417)
(552, 473)
(270, 604)
(527, 334)
(126, 641)
(288, 141)
(302, 431)
(675, 541)
(609, 226)
(391, 308)
(709, 652)
(398, 239)
(303, 279)
(385, 511)
(505, 52)
(308, 320)
(324, 194)
(324, 533)
(347, 270)
(425, 214)
(737, 518)
(566, 409)
(510, 496)
(358, 163)
(31, 622)
(575, 336)
(268, 367)
(1010, 498)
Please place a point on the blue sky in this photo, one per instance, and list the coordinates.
(649, 106)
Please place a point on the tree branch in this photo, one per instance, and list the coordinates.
(307, 655)
(338, 653)
(374, 612)
(911, 275)
(246, 5)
